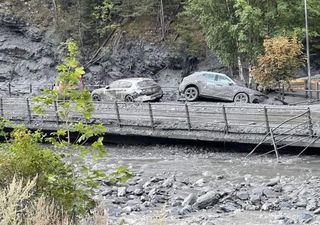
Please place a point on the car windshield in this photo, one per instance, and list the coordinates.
(146, 83)
(223, 79)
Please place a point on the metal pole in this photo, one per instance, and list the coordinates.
(266, 120)
(317, 92)
(29, 110)
(310, 122)
(9, 89)
(117, 113)
(226, 126)
(307, 45)
(1, 107)
(188, 115)
(56, 111)
(151, 115)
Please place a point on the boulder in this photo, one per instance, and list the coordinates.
(189, 200)
(209, 199)
(122, 191)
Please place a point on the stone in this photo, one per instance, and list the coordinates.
(199, 182)
(189, 200)
(153, 192)
(273, 181)
(122, 191)
(305, 218)
(228, 207)
(127, 209)
(255, 199)
(206, 174)
(146, 184)
(317, 211)
(168, 182)
(243, 195)
(156, 179)
(285, 205)
(106, 192)
(138, 191)
(185, 210)
(269, 193)
(208, 199)
(119, 201)
(207, 223)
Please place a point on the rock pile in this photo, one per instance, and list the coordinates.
(184, 197)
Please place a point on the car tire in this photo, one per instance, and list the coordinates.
(191, 93)
(96, 97)
(128, 98)
(241, 98)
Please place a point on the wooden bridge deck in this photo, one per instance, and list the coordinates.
(215, 122)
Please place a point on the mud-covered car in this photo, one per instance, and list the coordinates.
(217, 86)
(129, 90)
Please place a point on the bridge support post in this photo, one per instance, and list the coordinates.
(188, 116)
(310, 122)
(9, 89)
(226, 127)
(151, 115)
(56, 111)
(29, 110)
(266, 119)
(116, 107)
(1, 107)
(317, 91)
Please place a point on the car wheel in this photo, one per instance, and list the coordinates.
(191, 93)
(128, 98)
(96, 97)
(241, 98)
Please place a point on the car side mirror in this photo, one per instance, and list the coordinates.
(107, 87)
(231, 84)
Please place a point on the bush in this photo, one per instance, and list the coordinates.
(24, 158)
(18, 205)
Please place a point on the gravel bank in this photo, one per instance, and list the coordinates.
(188, 185)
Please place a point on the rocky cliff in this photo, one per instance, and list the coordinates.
(29, 55)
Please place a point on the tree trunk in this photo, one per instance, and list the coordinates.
(162, 20)
(56, 16)
(250, 76)
(240, 67)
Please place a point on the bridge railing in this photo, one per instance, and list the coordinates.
(226, 118)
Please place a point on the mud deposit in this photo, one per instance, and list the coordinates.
(192, 185)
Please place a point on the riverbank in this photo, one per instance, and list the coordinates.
(194, 185)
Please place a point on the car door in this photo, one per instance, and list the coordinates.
(111, 93)
(208, 85)
(224, 87)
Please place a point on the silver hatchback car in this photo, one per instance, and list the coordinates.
(129, 90)
(217, 86)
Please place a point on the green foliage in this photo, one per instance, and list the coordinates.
(77, 102)
(282, 58)
(24, 158)
(238, 27)
(190, 39)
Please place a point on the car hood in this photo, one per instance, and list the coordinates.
(247, 90)
(97, 91)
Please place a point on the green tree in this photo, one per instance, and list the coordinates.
(282, 58)
(235, 29)
(24, 158)
(74, 102)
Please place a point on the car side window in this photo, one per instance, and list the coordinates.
(222, 79)
(115, 84)
(209, 77)
(125, 84)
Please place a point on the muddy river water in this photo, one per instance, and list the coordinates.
(199, 170)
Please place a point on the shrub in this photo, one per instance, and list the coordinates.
(25, 158)
(18, 205)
